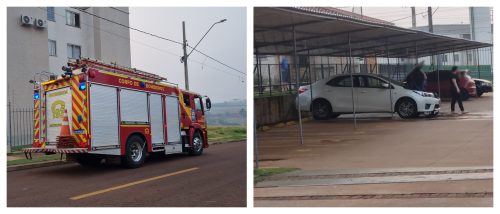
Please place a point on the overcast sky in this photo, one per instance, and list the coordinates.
(401, 16)
(225, 42)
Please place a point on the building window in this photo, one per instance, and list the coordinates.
(72, 19)
(455, 57)
(52, 48)
(51, 14)
(74, 51)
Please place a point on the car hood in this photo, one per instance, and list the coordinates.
(482, 80)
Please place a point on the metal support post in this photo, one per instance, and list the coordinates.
(390, 90)
(297, 70)
(352, 81)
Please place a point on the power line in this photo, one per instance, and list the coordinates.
(114, 8)
(218, 61)
(150, 46)
(132, 28)
(407, 17)
(160, 37)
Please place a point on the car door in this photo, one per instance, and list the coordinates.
(338, 91)
(373, 96)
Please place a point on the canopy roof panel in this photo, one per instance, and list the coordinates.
(322, 31)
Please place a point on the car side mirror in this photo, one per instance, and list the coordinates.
(208, 104)
(385, 85)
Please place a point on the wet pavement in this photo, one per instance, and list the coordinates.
(381, 143)
(215, 179)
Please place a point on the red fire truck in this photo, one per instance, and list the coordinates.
(116, 111)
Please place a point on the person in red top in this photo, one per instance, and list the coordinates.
(455, 91)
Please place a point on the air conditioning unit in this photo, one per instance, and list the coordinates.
(26, 20)
(40, 23)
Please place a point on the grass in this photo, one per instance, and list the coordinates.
(260, 174)
(222, 134)
(34, 160)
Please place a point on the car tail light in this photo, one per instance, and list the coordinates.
(302, 89)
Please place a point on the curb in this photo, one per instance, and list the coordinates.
(233, 141)
(35, 165)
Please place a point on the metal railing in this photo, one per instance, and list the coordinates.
(20, 127)
(273, 80)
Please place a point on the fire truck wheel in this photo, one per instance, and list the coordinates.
(135, 152)
(197, 144)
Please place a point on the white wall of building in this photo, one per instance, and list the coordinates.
(27, 47)
(65, 34)
(27, 54)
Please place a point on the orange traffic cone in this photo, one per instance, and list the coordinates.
(65, 139)
(65, 125)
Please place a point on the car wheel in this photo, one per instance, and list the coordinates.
(464, 94)
(321, 110)
(407, 108)
(196, 145)
(135, 152)
(433, 114)
(479, 93)
(335, 115)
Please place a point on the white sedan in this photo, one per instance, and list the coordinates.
(332, 97)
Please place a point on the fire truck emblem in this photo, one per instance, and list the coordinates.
(57, 109)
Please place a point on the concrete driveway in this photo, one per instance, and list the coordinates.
(442, 149)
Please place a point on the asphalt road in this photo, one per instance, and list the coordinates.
(215, 179)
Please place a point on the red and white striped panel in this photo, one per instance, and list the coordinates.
(43, 150)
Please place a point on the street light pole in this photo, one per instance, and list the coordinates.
(184, 46)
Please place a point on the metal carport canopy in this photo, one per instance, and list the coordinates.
(327, 34)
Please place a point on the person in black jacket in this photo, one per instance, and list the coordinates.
(417, 79)
(455, 91)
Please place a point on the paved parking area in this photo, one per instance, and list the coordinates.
(383, 142)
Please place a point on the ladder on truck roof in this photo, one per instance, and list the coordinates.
(113, 67)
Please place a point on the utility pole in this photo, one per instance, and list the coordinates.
(184, 46)
(184, 59)
(431, 30)
(413, 18)
(429, 14)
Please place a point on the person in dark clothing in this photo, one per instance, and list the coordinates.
(455, 91)
(417, 79)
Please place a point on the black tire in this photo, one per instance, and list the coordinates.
(479, 93)
(406, 108)
(321, 110)
(335, 115)
(196, 145)
(433, 114)
(464, 94)
(88, 159)
(135, 152)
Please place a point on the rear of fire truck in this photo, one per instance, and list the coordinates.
(61, 115)
(74, 113)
